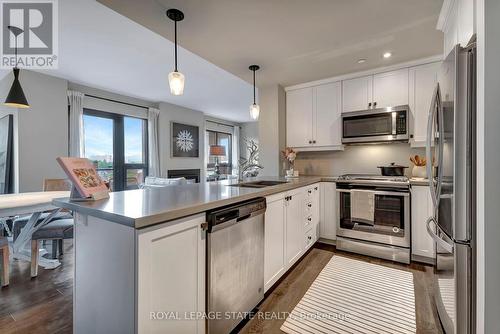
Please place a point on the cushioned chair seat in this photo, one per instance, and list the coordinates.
(3, 242)
(57, 229)
(20, 223)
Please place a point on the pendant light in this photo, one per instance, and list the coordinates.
(176, 78)
(16, 96)
(254, 108)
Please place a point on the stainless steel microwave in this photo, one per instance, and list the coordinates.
(376, 125)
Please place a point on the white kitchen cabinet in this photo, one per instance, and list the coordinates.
(327, 129)
(357, 94)
(422, 244)
(299, 117)
(328, 218)
(457, 22)
(422, 82)
(295, 215)
(312, 213)
(274, 241)
(171, 275)
(313, 117)
(390, 89)
(381, 90)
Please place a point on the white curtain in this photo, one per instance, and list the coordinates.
(236, 149)
(75, 101)
(154, 142)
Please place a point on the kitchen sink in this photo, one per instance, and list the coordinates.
(257, 184)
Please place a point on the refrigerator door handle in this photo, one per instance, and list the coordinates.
(441, 242)
(428, 145)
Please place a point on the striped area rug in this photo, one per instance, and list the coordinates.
(351, 296)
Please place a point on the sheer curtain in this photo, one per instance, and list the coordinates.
(236, 149)
(75, 102)
(153, 142)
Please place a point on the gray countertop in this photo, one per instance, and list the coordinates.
(145, 207)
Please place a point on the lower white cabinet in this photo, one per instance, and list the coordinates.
(422, 244)
(171, 276)
(274, 240)
(295, 216)
(328, 217)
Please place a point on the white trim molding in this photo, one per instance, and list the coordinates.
(377, 70)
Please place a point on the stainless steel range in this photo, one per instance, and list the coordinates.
(374, 216)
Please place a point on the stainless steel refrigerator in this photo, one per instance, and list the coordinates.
(451, 145)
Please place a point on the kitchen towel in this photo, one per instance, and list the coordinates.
(363, 207)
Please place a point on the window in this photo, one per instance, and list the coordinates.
(225, 162)
(117, 145)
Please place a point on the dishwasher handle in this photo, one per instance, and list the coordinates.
(230, 215)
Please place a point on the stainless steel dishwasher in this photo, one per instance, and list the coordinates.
(235, 263)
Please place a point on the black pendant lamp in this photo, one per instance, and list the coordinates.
(176, 78)
(254, 108)
(16, 96)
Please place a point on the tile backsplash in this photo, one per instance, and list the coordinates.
(356, 159)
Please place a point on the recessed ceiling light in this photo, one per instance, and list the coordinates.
(361, 61)
(387, 55)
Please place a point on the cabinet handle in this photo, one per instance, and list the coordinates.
(374, 104)
(315, 188)
(309, 219)
(310, 142)
(309, 205)
(369, 105)
(314, 141)
(309, 191)
(309, 237)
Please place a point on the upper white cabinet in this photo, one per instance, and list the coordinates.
(327, 127)
(457, 22)
(381, 90)
(357, 94)
(299, 117)
(390, 89)
(313, 116)
(422, 244)
(422, 81)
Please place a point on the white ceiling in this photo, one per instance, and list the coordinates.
(100, 48)
(296, 41)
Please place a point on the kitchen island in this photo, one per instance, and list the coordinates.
(140, 255)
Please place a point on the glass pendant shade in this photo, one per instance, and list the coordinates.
(254, 111)
(16, 96)
(176, 82)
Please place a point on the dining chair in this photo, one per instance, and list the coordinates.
(4, 250)
(56, 230)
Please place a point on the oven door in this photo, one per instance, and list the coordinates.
(391, 221)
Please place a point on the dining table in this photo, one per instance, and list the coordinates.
(33, 204)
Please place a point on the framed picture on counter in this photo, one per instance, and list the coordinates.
(185, 141)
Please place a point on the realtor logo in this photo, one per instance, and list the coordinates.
(37, 44)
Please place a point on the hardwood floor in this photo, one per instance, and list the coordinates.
(40, 305)
(44, 305)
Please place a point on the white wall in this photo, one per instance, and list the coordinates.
(488, 166)
(271, 129)
(42, 130)
(362, 159)
(249, 130)
(173, 113)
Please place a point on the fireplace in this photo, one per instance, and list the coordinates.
(189, 174)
